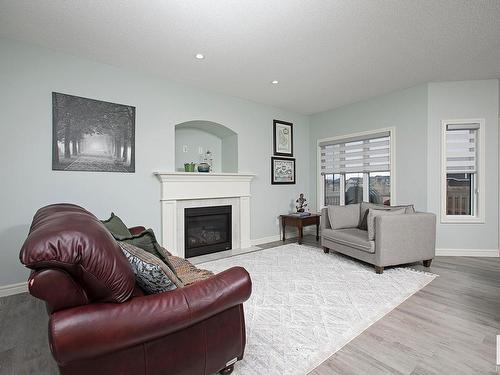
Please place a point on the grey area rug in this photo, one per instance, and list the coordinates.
(306, 305)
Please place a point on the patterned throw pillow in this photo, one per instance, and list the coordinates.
(146, 240)
(152, 275)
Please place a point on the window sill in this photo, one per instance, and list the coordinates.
(462, 220)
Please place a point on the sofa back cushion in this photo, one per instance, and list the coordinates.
(373, 213)
(365, 206)
(342, 217)
(70, 238)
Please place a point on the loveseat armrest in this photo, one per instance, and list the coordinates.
(96, 329)
(325, 220)
(405, 238)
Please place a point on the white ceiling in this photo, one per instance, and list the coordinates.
(324, 53)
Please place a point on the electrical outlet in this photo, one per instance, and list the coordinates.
(200, 150)
(185, 148)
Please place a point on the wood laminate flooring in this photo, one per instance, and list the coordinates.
(449, 327)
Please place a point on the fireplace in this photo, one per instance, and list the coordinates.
(207, 230)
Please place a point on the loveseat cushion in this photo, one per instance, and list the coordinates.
(342, 217)
(372, 214)
(68, 237)
(353, 237)
(363, 216)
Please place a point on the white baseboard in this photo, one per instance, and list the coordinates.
(290, 233)
(9, 290)
(492, 253)
(260, 241)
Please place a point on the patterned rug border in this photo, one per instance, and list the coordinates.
(387, 308)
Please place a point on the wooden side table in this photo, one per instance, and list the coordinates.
(300, 223)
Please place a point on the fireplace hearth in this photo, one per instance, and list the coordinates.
(207, 230)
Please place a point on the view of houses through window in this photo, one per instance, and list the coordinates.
(461, 142)
(459, 191)
(378, 185)
(356, 169)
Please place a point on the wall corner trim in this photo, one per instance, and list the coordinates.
(487, 253)
(9, 290)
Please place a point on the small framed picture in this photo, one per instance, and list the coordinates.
(282, 171)
(282, 138)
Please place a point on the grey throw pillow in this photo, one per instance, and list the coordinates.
(365, 206)
(373, 213)
(409, 208)
(363, 214)
(342, 217)
(152, 275)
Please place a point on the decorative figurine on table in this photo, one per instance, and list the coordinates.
(301, 203)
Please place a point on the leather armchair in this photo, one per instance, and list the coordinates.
(198, 329)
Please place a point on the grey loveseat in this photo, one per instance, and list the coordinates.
(379, 235)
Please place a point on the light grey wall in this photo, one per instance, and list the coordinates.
(194, 140)
(405, 110)
(465, 100)
(417, 114)
(230, 153)
(29, 74)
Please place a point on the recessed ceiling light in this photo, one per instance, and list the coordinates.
(275, 82)
(199, 56)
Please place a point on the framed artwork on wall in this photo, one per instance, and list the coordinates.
(92, 135)
(282, 138)
(282, 171)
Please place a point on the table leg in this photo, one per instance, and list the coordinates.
(283, 228)
(301, 234)
(317, 232)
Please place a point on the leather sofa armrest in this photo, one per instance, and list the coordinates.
(405, 238)
(96, 329)
(136, 230)
(325, 220)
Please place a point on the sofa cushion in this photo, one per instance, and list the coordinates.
(342, 217)
(373, 213)
(363, 223)
(363, 213)
(116, 226)
(353, 237)
(70, 238)
(409, 208)
(152, 275)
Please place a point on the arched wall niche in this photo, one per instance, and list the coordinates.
(194, 138)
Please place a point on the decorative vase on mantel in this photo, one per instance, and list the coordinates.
(204, 167)
(189, 167)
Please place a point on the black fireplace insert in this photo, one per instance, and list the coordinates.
(207, 230)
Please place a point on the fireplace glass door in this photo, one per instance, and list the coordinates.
(207, 230)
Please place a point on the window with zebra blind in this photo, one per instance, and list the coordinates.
(462, 176)
(356, 168)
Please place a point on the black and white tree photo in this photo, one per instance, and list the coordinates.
(92, 135)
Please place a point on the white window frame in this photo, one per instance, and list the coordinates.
(321, 179)
(479, 183)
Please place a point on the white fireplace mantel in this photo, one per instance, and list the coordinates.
(181, 189)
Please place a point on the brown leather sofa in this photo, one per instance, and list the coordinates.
(102, 323)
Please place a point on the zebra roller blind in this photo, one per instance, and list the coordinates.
(461, 149)
(357, 154)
